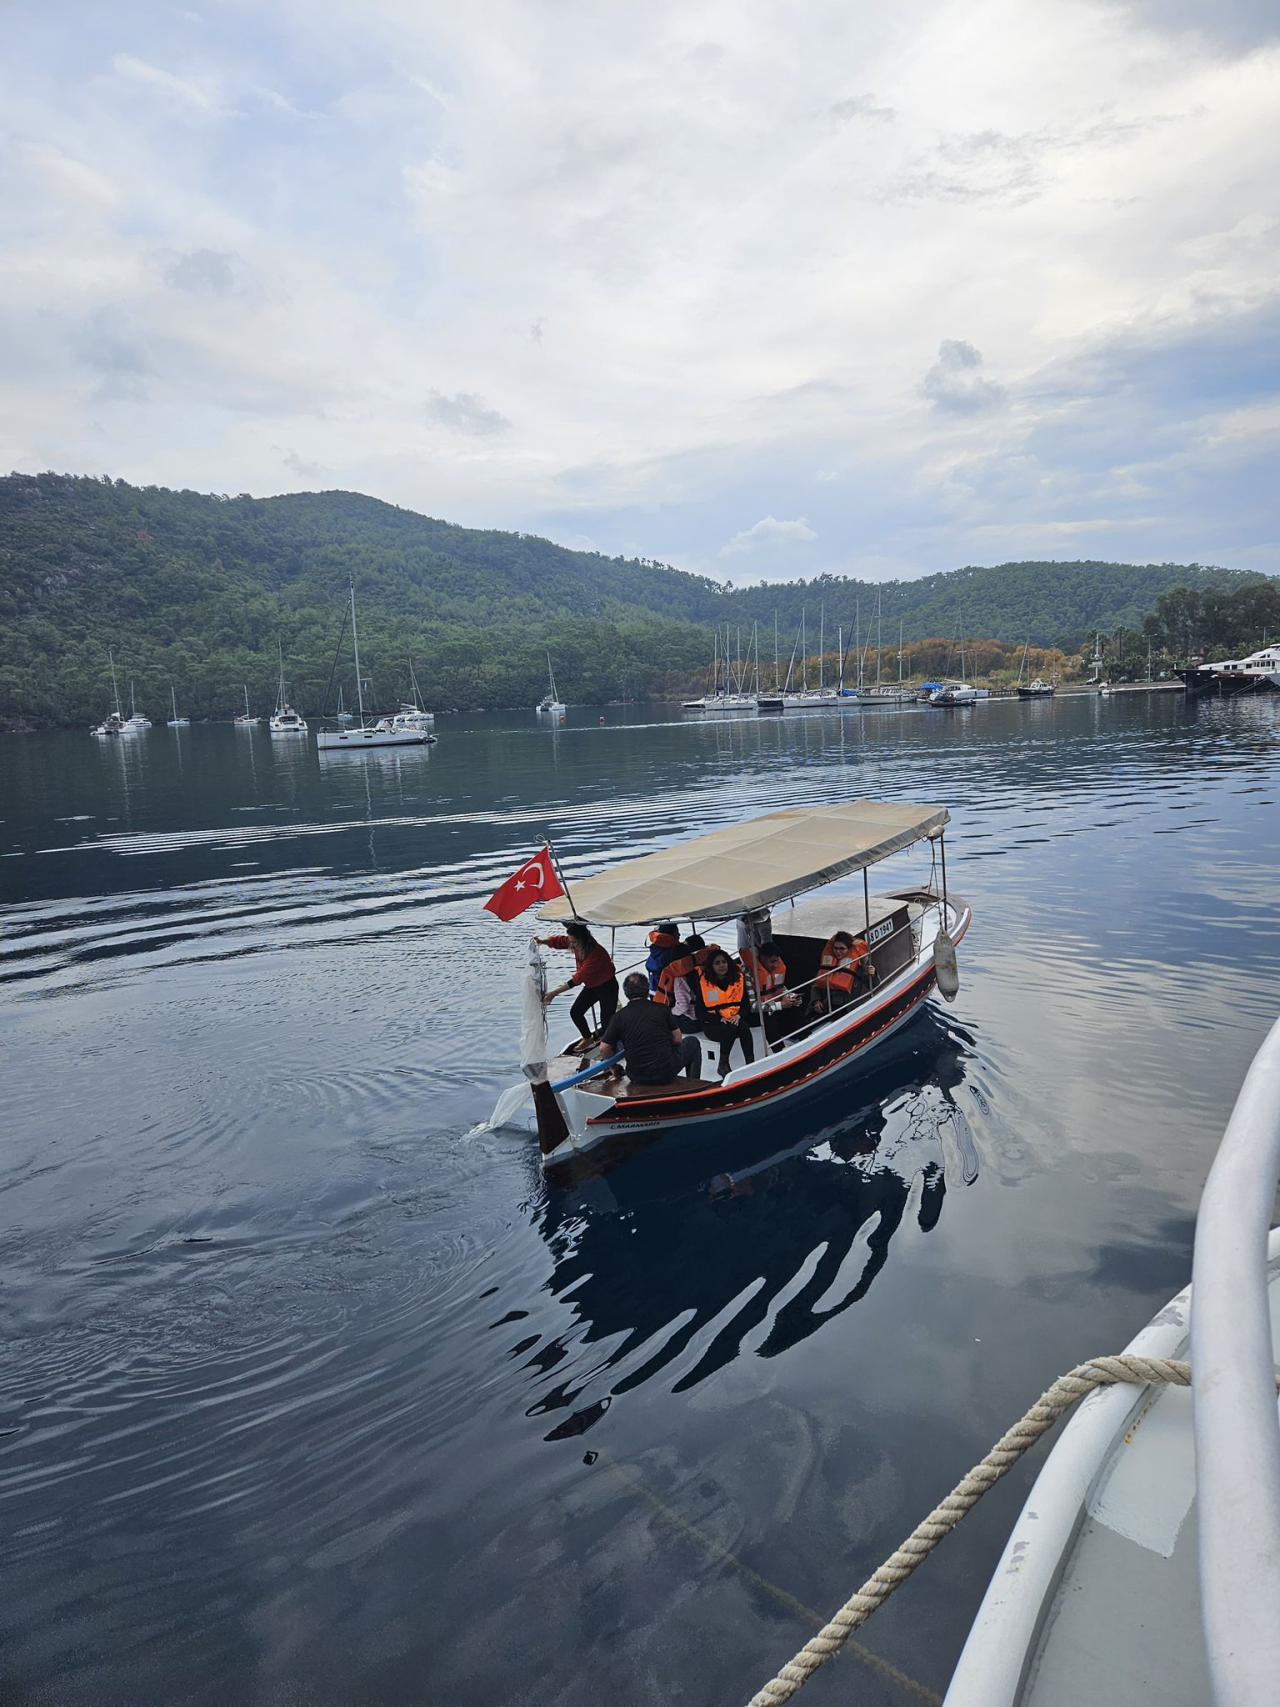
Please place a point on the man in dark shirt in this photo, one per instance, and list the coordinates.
(648, 1033)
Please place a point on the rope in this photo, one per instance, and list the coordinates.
(1084, 1378)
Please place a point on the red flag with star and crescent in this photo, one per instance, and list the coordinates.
(535, 881)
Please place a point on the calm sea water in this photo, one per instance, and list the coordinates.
(307, 1395)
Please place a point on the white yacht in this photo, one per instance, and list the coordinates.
(412, 714)
(176, 722)
(1258, 673)
(135, 722)
(284, 719)
(955, 693)
(359, 737)
(247, 721)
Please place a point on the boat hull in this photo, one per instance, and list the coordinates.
(803, 1072)
(360, 740)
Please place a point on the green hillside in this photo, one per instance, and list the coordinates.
(196, 589)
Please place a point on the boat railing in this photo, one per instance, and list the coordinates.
(1237, 1430)
(807, 1021)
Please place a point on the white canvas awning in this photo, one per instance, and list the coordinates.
(745, 866)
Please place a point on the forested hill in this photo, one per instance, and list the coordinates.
(197, 589)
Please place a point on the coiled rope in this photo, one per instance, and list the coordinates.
(1075, 1384)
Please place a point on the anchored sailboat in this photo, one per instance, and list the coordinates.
(176, 722)
(359, 737)
(551, 705)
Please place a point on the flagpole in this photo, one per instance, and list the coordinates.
(560, 874)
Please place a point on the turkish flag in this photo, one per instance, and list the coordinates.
(536, 881)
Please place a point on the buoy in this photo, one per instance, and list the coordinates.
(602, 720)
(944, 965)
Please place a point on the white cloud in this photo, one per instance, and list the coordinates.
(640, 277)
(182, 91)
(767, 533)
(465, 413)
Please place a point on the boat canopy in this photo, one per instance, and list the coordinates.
(750, 865)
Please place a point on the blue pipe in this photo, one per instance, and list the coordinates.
(588, 1072)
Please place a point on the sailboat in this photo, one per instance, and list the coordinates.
(284, 719)
(411, 715)
(343, 715)
(247, 721)
(113, 723)
(550, 705)
(358, 737)
(176, 722)
(135, 720)
(1031, 690)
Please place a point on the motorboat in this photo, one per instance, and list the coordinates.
(361, 736)
(550, 705)
(176, 722)
(955, 693)
(1145, 1567)
(1035, 690)
(1258, 673)
(247, 721)
(284, 719)
(741, 875)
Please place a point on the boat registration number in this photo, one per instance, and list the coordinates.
(877, 933)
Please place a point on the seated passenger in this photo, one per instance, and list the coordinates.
(677, 982)
(664, 946)
(769, 974)
(656, 1050)
(722, 997)
(844, 969)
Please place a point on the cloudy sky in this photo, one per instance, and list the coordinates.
(760, 289)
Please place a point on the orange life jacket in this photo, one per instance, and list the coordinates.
(840, 964)
(766, 980)
(665, 994)
(723, 1004)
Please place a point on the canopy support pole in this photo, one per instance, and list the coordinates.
(942, 848)
(866, 902)
(560, 874)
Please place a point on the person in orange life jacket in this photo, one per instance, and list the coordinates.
(769, 974)
(593, 970)
(844, 965)
(664, 946)
(678, 981)
(722, 998)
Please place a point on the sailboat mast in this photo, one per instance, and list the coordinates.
(355, 647)
(804, 651)
(115, 686)
(173, 701)
(879, 648)
(899, 651)
(777, 676)
(840, 650)
(822, 641)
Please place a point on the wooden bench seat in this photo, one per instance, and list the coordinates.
(677, 1087)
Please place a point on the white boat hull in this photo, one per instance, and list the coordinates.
(361, 740)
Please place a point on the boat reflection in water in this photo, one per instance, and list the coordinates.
(776, 1247)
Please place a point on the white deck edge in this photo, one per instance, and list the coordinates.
(1236, 1427)
(1002, 1642)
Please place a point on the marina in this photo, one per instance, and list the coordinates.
(376, 1366)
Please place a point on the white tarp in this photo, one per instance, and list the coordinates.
(747, 866)
(515, 1106)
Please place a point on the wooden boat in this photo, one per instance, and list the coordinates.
(1145, 1567)
(739, 876)
(1037, 689)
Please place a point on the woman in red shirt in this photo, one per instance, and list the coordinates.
(594, 970)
